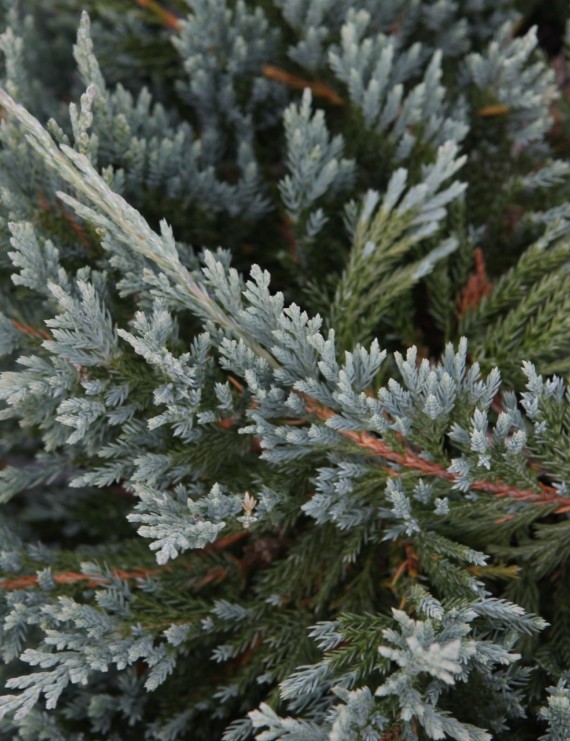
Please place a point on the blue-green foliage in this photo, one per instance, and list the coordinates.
(245, 504)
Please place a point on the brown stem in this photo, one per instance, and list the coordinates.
(477, 286)
(76, 227)
(72, 577)
(138, 572)
(167, 18)
(40, 334)
(319, 89)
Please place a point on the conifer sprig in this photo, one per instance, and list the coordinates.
(228, 511)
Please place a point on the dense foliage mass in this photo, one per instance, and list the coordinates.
(285, 326)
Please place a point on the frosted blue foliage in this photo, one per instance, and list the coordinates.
(327, 635)
(45, 579)
(224, 396)
(534, 400)
(161, 665)
(161, 250)
(38, 263)
(552, 174)
(441, 506)
(418, 650)
(84, 54)
(332, 500)
(434, 390)
(40, 725)
(269, 501)
(182, 376)
(79, 413)
(430, 656)
(226, 693)
(461, 470)
(12, 46)
(224, 652)
(315, 164)
(175, 522)
(423, 492)
(80, 639)
(239, 730)
(22, 611)
(229, 611)
(314, 21)
(18, 44)
(400, 511)
(427, 604)
(509, 615)
(357, 718)
(452, 33)
(517, 443)
(288, 338)
(479, 438)
(159, 150)
(429, 197)
(83, 333)
(557, 713)
(375, 71)
(122, 126)
(306, 680)
(156, 468)
(10, 338)
(443, 24)
(283, 729)
(48, 380)
(172, 729)
(81, 120)
(223, 47)
(509, 68)
(303, 399)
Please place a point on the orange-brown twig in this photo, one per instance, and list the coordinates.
(409, 564)
(477, 286)
(227, 423)
(138, 572)
(228, 540)
(319, 89)
(239, 386)
(287, 232)
(69, 218)
(493, 110)
(72, 577)
(40, 334)
(167, 18)
(215, 576)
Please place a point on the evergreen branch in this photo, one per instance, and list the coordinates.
(358, 500)
(548, 496)
(130, 225)
(116, 213)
